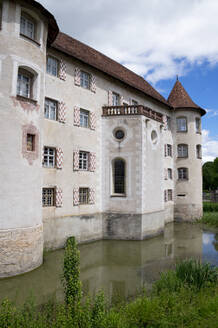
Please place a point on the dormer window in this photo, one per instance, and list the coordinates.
(24, 84)
(27, 26)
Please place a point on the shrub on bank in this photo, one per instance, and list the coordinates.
(210, 207)
(210, 218)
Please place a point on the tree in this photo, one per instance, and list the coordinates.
(210, 175)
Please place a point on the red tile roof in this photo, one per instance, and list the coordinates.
(94, 58)
(179, 98)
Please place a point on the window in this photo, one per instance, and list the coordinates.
(52, 66)
(165, 196)
(83, 160)
(168, 123)
(181, 123)
(169, 174)
(50, 110)
(182, 173)
(84, 118)
(49, 157)
(169, 194)
(85, 80)
(30, 142)
(134, 102)
(0, 15)
(83, 195)
(119, 134)
(168, 150)
(182, 150)
(48, 195)
(198, 125)
(27, 26)
(24, 83)
(115, 99)
(198, 151)
(119, 176)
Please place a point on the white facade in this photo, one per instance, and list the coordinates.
(55, 153)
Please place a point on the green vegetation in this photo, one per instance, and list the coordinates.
(210, 214)
(210, 175)
(210, 207)
(184, 297)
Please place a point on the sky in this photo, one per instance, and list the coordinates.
(157, 39)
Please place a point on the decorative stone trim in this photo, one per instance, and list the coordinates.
(30, 155)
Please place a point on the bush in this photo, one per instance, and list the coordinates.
(210, 218)
(210, 207)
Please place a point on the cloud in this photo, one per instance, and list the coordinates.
(157, 39)
(209, 147)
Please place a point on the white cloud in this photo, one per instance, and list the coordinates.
(157, 39)
(209, 147)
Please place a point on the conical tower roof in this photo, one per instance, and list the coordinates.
(179, 98)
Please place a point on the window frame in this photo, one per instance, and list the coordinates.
(84, 116)
(25, 74)
(1, 15)
(122, 192)
(198, 125)
(33, 142)
(180, 152)
(83, 160)
(179, 127)
(199, 151)
(169, 194)
(46, 162)
(169, 174)
(49, 100)
(84, 195)
(169, 150)
(115, 96)
(85, 80)
(57, 68)
(28, 19)
(182, 173)
(46, 201)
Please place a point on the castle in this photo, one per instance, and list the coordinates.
(87, 147)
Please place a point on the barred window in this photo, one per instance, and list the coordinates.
(170, 194)
(85, 80)
(169, 174)
(50, 111)
(83, 195)
(27, 26)
(182, 150)
(52, 66)
(84, 118)
(119, 176)
(115, 99)
(30, 142)
(49, 157)
(169, 150)
(182, 173)
(83, 160)
(48, 195)
(181, 123)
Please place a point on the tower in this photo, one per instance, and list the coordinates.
(187, 154)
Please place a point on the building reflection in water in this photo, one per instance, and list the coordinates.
(117, 267)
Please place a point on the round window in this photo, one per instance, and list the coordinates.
(119, 134)
(154, 137)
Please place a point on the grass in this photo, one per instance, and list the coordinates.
(210, 214)
(210, 207)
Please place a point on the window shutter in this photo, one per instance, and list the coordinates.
(76, 116)
(76, 196)
(76, 160)
(93, 83)
(63, 71)
(165, 150)
(92, 121)
(59, 158)
(77, 76)
(121, 100)
(110, 98)
(58, 197)
(62, 112)
(92, 162)
(91, 196)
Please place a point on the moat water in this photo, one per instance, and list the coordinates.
(118, 267)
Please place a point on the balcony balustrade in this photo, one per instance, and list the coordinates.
(132, 110)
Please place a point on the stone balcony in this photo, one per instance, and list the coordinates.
(132, 110)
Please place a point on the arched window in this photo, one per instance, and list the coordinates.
(182, 150)
(181, 124)
(119, 176)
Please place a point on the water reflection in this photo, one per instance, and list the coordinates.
(117, 267)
